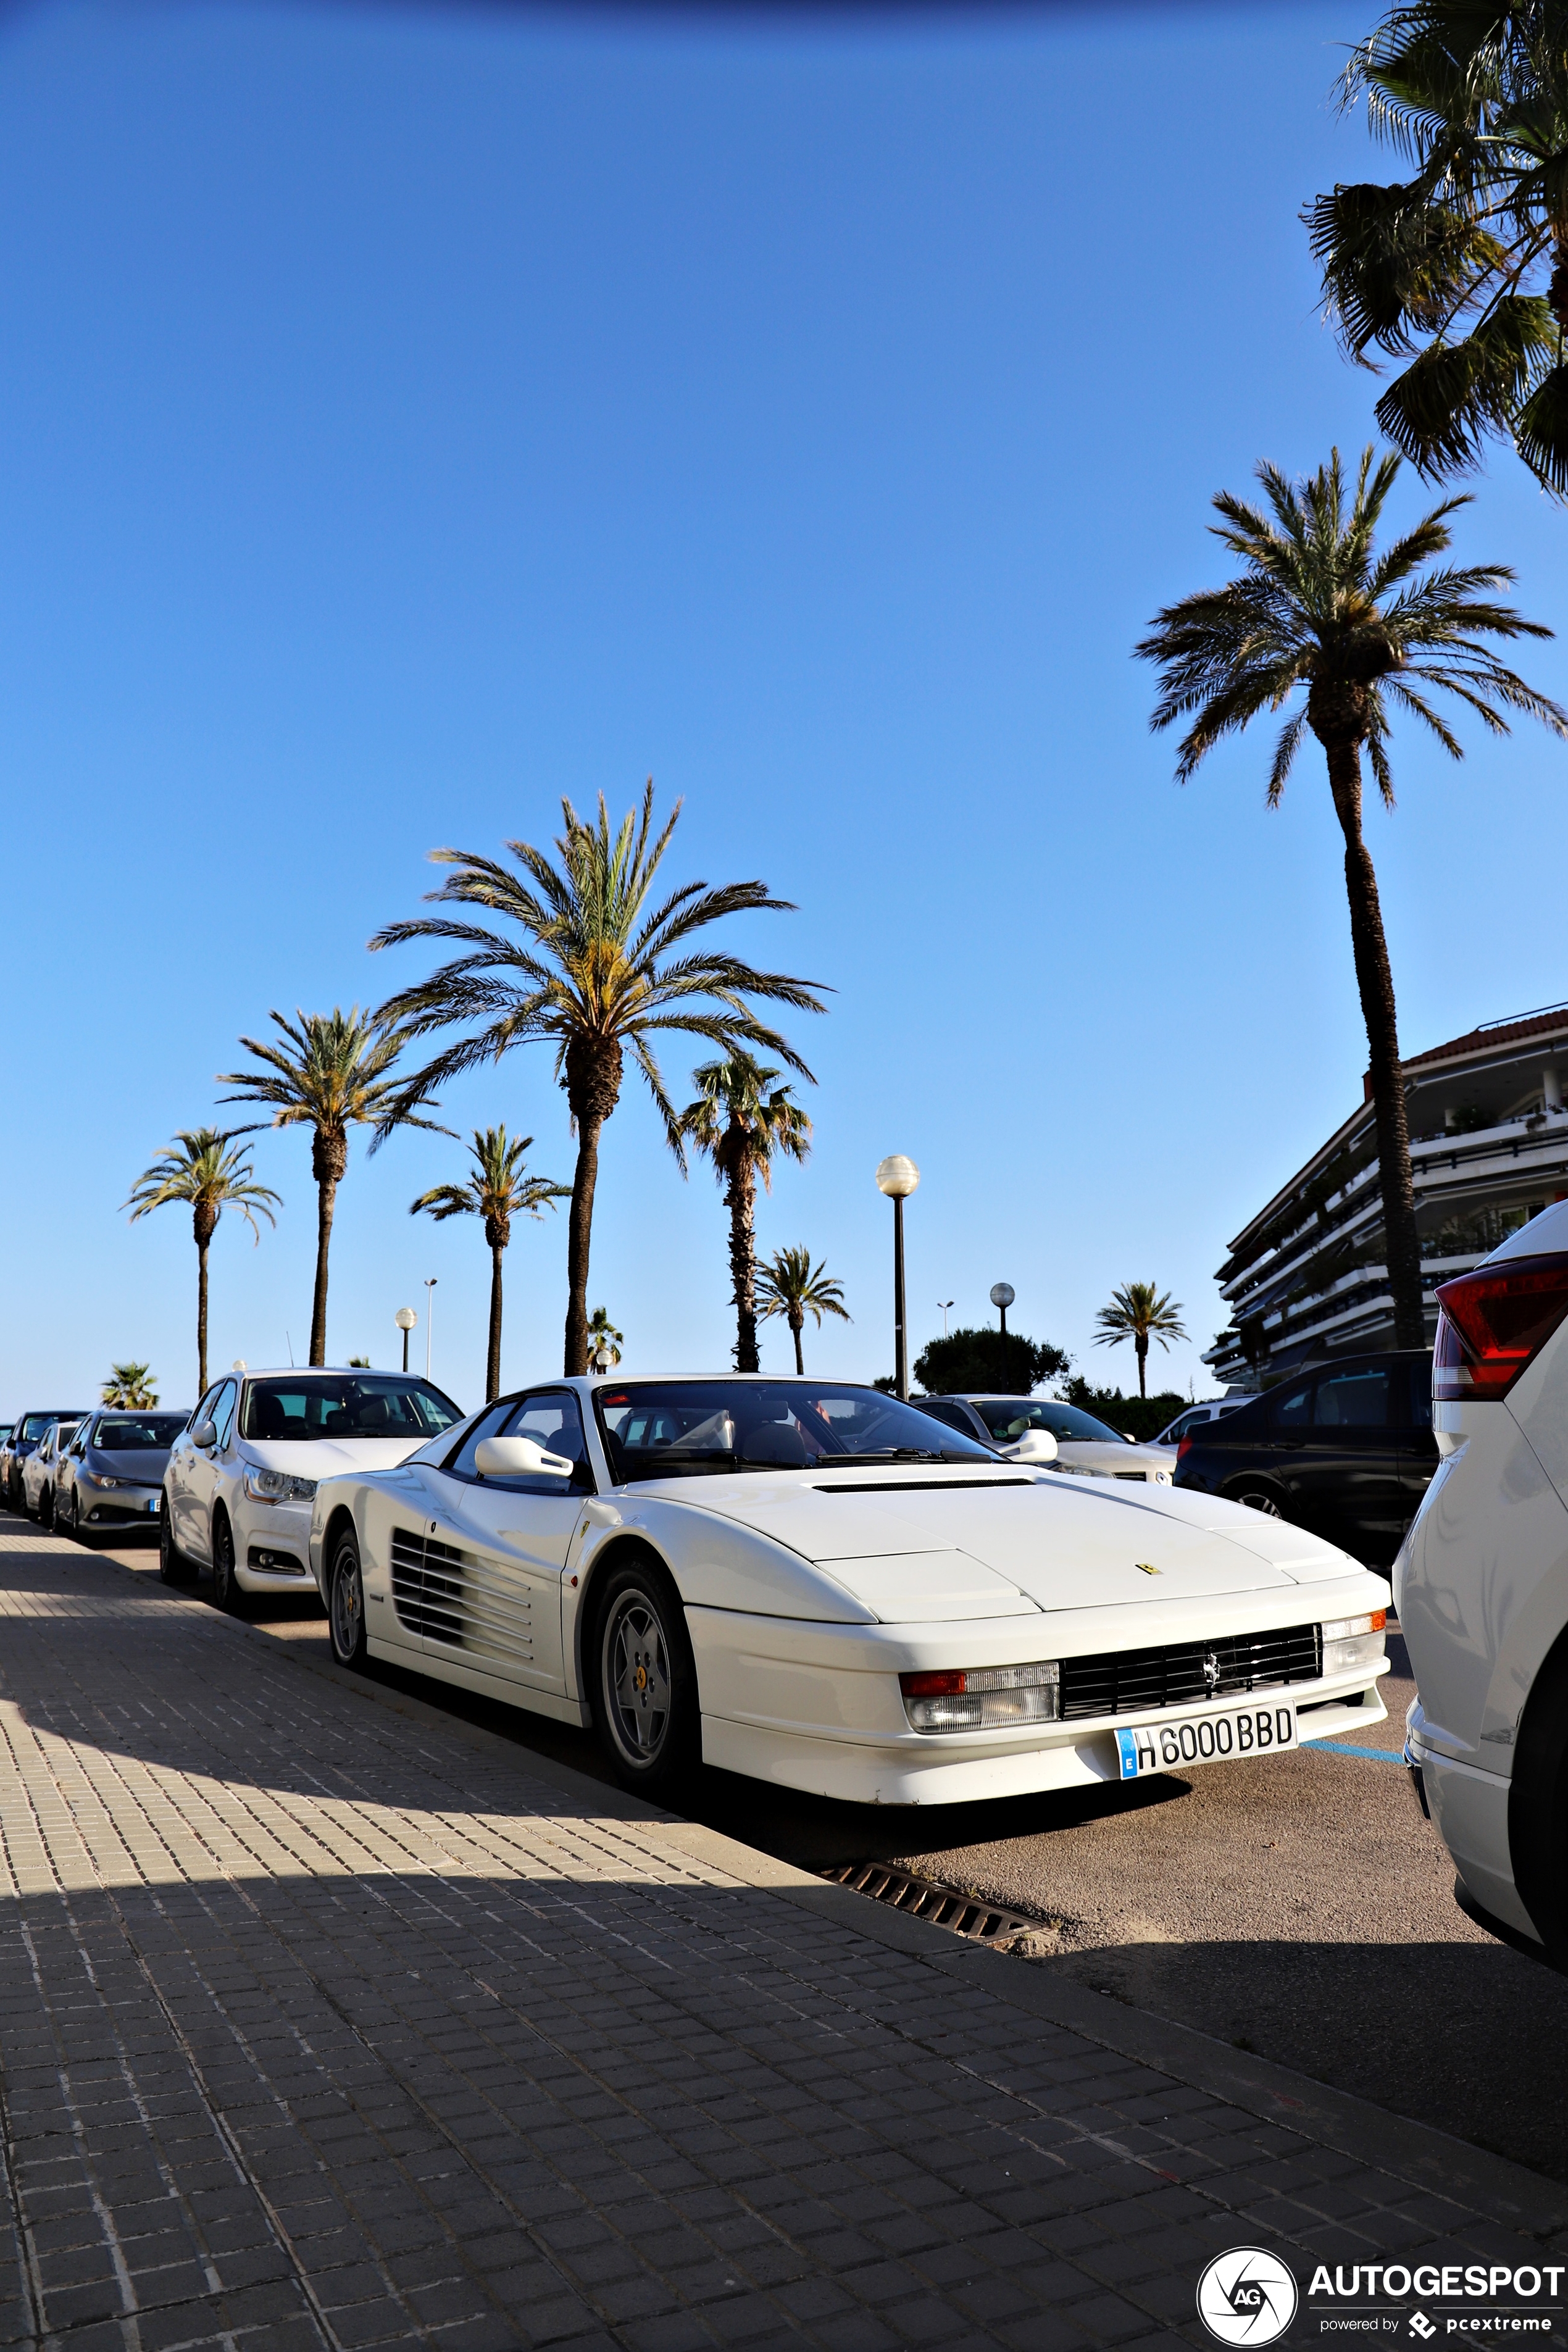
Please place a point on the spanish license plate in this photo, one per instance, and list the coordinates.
(1218, 1737)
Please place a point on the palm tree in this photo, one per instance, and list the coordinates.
(203, 1171)
(333, 1071)
(740, 1119)
(130, 1388)
(498, 1191)
(1315, 610)
(1140, 1312)
(789, 1285)
(604, 1338)
(592, 974)
(1462, 269)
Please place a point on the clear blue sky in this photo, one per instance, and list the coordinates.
(407, 418)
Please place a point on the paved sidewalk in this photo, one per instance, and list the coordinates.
(328, 2021)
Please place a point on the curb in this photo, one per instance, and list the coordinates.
(1431, 2159)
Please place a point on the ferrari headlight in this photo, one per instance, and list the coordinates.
(278, 1486)
(983, 1699)
(1351, 1642)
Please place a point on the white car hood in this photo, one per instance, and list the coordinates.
(912, 1550)
(324, 1457)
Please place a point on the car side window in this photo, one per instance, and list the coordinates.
(1418, 1415)
(1357, 1400)
(953, 1415)
(223, 1410)
(1294, 1409)
(461, 1464)
(204, 1412)
(551, 1419)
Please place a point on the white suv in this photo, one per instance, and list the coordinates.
(242, 1475)
(1481, 1585)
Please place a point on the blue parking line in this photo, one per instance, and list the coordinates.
(1343, 1747)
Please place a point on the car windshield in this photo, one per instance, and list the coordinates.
(138, 1433)
(34, 1425)
(347, 1404)
(1008, 1417)
(671, 1429)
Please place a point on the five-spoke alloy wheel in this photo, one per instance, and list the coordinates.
(346, 1609)
(1257, 1498)
(645, 1684)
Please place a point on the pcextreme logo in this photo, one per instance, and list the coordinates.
(1246, 2296)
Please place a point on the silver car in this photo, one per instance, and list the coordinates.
(109, 1478)
(41, 1469)
(25, 1433)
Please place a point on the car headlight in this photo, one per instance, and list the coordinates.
(278, 1486)
(983, 1698)
(94, 1478)
(1351, 1642)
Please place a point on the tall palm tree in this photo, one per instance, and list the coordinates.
(1140, 1311)
(604, 1339)
(333, 1071)
(591, 972)
(130, 1388)
(202, 1169)
(1315, 610)
(498, 1191)
(789, 1285)
(740, 1119)
(1462, 268)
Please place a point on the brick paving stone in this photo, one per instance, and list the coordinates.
(320, 2027)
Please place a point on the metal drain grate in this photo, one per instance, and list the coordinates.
(961, 1914)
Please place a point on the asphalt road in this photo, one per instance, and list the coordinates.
(1300, 1908)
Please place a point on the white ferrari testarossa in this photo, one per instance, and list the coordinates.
(809, 1582)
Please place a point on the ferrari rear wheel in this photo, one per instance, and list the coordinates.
(644, 1681)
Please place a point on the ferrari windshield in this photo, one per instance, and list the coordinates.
(672, 1429)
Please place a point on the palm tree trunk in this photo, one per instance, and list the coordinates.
(1376, 982)
(492, 1358)
(741, 1193)
(579, 1236)
(329, 1158)
(201, 1320)
(797, 1324)
(1140, 1342)
(593, 1090)
(326, 1203)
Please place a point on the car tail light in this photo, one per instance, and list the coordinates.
(983, 1699)
(1493, 1323)
(1182, 1450)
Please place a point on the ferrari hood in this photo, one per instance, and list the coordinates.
(1054, 1542)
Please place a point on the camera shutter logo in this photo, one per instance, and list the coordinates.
(1246, 2296)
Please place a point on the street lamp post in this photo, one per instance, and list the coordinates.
(946, 1306)
(897, 1177)
(1002, 1296)
(430, 1281)
(405, 1318)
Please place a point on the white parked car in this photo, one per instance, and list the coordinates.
(242, 1476)
(810, 1583)
(1091, 1448)
(41, 1469)
(1196, 1416)
(1481, 1583)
